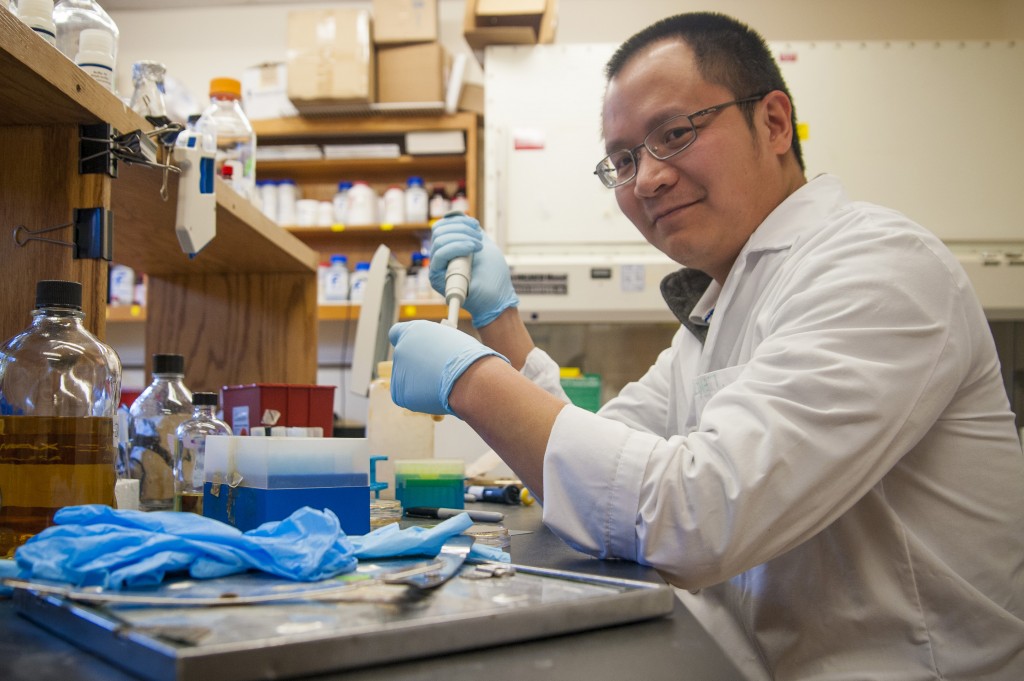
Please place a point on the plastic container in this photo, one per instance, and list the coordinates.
(268, 198)
(439, 203)
(122, 285)
(491, 535)
(412, 282)
(460, 201)
(287, 197)
(305, 212)
(357, 288)
(417, 202)
(190, 451)
(424, 291)
(340, 202)
(74, 16)
(148, 95)
(394, 206)
(396, 433)
(236, 141)
(38, 15)
(336, 280)
(152, 426)
(96, 56)
(430, 482)
(59, 391)
(324, 214)
(279, 404)
(361, 205)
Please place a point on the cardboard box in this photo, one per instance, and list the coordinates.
(472, 98)
(509, 22)
(330, 58)
(404, 21)
(265, 92)
(412, 73)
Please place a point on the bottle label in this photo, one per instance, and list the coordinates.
(101, 73)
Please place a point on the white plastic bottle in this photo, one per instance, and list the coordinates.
(439, 203)
(38, 15)
(394, 206)
(359, 278)
(122, 285)
(287, 197)
(460, 200)
(96, 56)
(361, 206)
(340, 202)
(336, 280)
(74, 16)
(416, 200)
(394, 432)
(236, 141)
(268, 198)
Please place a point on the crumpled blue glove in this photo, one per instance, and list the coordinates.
(391, 542)
(490, 284)
(96, 545)
(428, 359)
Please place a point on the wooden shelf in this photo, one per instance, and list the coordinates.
(296, 130)
(369, 169)
(246, 242)
(40, 86)
(313, 232)
(410, 309)
(126, 313)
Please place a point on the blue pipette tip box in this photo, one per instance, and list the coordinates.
(246, 508)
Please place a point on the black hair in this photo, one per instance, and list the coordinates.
(728, 53)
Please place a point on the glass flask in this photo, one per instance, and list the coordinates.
(190, 452)
(59, 391)
(154, 418)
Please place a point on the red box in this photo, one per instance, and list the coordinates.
(278, 404)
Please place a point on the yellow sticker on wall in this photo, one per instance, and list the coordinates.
(802, 131)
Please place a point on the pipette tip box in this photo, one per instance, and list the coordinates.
(430, 482)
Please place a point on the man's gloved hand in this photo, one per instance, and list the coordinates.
(428, 359)
(490, 284)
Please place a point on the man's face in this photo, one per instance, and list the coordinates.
(700, 206)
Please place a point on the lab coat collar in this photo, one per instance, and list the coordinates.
(692, 295)
(803, 210)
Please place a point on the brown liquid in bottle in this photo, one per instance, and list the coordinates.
(46, 463)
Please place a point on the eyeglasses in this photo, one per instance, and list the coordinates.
(664, 142)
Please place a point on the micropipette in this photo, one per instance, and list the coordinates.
(456, 283)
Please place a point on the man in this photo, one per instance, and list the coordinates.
(824, 461)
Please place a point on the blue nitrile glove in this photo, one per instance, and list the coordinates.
(96, 545)
(490, 284)
(391, 542)
(429, 358)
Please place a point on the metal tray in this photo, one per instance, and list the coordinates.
(352, 621)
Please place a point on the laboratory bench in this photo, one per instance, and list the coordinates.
(669, 647)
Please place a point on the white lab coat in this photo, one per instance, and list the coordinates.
(834, 477)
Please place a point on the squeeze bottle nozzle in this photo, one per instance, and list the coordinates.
(456, 282)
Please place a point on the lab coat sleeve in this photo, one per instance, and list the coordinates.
(853, 362)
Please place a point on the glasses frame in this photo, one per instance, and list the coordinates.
(664, 157)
